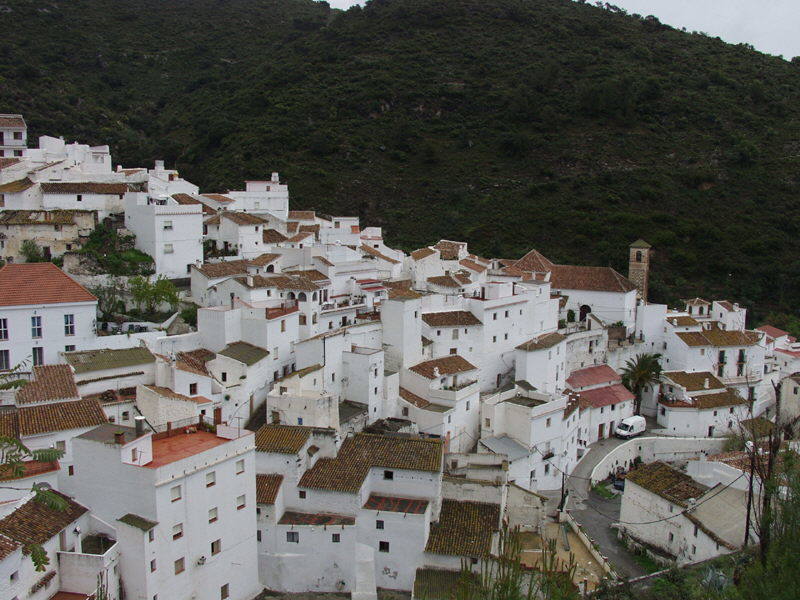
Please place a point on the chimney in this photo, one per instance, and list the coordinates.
(275, 178)
(436, 372)
(139, 424)
(249, 281)
(705, 383)
(119, 438)
(159, 165)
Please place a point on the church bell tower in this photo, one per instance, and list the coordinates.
(639, 266)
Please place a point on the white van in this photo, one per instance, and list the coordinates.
(630, 427)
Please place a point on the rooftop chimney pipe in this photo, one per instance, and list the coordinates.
(139, 423)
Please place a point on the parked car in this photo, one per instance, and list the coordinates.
(630, 427)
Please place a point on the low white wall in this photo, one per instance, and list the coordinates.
(650, 449)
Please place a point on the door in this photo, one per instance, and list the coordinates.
(611, 428)
(710, 431)
(601, 431)
(217, 415)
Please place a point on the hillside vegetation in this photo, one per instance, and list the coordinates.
(507, 123)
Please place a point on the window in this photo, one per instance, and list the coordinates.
(695, 531)
(240, 502)
(283, 325)
(79, 197)
(153, 565)
(301, 494)
(224, 376)
(175, 493)
(299, 420)
(167, 225)
(126, 415)
(494, 339)
(212, 515)
(216, 547)
(224, 592)
(694, 549)
(240, 466)
(336, 538)
(5, 361)
(3, 329)
(168, 249)
(487, 423)
(151, 535)
(494, 317)
(388, 475)
(177, 531)
(378, 524)
(258, 535)
(404, 411)
(211, 479)
(192, 389)
(547, 423)
(71, 470)
(383, 546)
(69, 348)
(36, 327)
(293, 537)
(547, 469)
(506, 314)
(179, 567)
(38, 356)
(467, 404)
(14, 576)
(671, 536)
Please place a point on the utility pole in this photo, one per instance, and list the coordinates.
(750, 495)
(563, 491)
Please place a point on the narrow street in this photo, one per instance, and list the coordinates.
(596, 514)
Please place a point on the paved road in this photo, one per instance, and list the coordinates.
(596, 514)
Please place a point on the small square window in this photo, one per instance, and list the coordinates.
(224, 592)
(151, 535)
(211, 479)
(293, 536)
(216, 547)
(336, 538)
(383, 546)
(153, 565)
(212, 514)
(192, 389)
(175, 493)
(378, 524)
(177, 531)
(14, 576)
(301, 494)
(240, 466)
(179, 566)
(240, 502)
(388, 475)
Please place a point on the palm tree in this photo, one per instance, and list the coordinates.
(639, 372)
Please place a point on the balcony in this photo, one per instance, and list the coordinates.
(80, 570)
(453, 394)
(281, 311)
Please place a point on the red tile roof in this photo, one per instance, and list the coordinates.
(422, 253)
(376, 254)
(243, 218)
(596, 279)
(267, 487)
(453, 318)
(50, 382)
(592, 376)
(298, 518)
(534, 261)
(772, 332)
(464, 529)
(35, 419)
(446, 365)
(39, 283)
(171, 449)
(547, 340)
(606, 396)
(448, 249)
(413, 506)
(218, 197)
(12, 121)
(472, 265)
(36, 523)
(273, 236)
(302, 215)
(84, 187)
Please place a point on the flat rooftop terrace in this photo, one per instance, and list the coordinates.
(182, 445)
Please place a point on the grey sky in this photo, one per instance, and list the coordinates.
(771, 26)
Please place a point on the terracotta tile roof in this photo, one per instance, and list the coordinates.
(12, 121)
(772, 332)
(39, 283)
(464, 529)
(534, 261)
(224, 269)
(597, 279)
(244, 353)
(726, 305)
(281, 282)
(50, 382)
(14, 187)
(472, 265)
(422, 253)
(729, 397)
(267, 487)
(399, 293)
(243, 218)
(696, 302)
(272, 236)
(380, 255)
(593, 376)
(324, 261)
(311, 229)
(412, 398)
(36, 523)
(303, 235)
(449, 249)
(463, 278)
(446, 365)
(302, 215)
(7, 546)
(431, 582)
(694, 382)
(311, 274)
(29, 468)
(606, 396)
(292, 227)
(84, 187)
(298, 518)
(547, 340)
(195, 361)
(100, 360)
(214, 220)
(412, 506)
(39, 217)
(218, 198)
(8, 161)
(718, 337)
(359, 453)
(667, 482)
(187, 200)
(453, 318)
(682, 321)
(282, 439)
(445, 281)
(168, 393)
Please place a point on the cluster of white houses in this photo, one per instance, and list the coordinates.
(345, 416)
